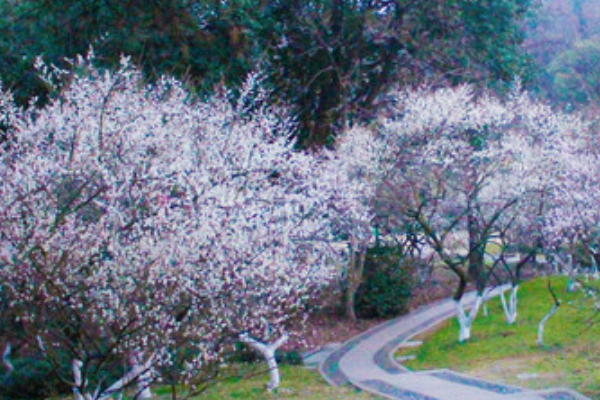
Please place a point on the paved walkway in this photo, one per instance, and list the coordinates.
(367, 362)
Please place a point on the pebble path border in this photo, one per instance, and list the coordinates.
(562, 394)
(475, 382)
(387, 389)
(384, 357)
(330, 367)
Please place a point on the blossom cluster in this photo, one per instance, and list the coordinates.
(138, 221)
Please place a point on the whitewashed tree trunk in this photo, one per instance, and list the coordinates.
(465, 321)
(76, 370)
(145, 377)
(571, 270)
(139, 373)
(6, 359)
(510, 307)
(77, 382)
(594, 273)
(486, 298)
(268, 352)
(540, 337)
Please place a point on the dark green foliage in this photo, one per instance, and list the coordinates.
(290, 357)
(333, 59)
(387, 284)
(562, 37)
(245, 354)
(330, 59)
(576, 75)
(196, 40)
(32, 378)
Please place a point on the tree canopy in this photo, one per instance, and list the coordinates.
(330, 59)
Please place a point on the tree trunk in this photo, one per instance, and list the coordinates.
(484, 301)
(349, 294)
(465, 321)
(476, 270)
(354, 275)
(6, 360)
(510, 307)
(145, 377)
(139, 373)
(78, 387)
(268, 352)
(595, 273)
(540, 337)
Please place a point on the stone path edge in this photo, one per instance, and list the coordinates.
(385, 356)
(384, 389)
(459, 377)
(329, 368)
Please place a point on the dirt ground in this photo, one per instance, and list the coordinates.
(328, 326)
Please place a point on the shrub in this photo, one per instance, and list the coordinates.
(32, 378)
(290, 357)
(387, 283)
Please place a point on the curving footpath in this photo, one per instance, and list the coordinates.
(366, 362)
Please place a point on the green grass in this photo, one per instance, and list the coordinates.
(296, 383)
(497, 351)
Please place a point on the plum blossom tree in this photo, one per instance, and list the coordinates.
(138, 219)
(85, 246)
(550, 146)
(443, 146)
(468, 164)
(571, 223)
(261, 226)
(353, 164)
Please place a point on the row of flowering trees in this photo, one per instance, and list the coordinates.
(145, 231)
(508, 174)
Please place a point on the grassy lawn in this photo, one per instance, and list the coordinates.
(296, 383)
(497, 351)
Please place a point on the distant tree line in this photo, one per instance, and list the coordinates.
(330, 59)
(563, 37)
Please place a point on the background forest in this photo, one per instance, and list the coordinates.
(331, 59)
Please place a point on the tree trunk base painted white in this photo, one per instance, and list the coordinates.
(595, 274)
(510, 307)
(464, 333)
(268, 352)
(486, 298)
(77, 381)
(145, 377)
(572, 286)
(6, 359)
(466, 321)
(540, 337)
(140, 374)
